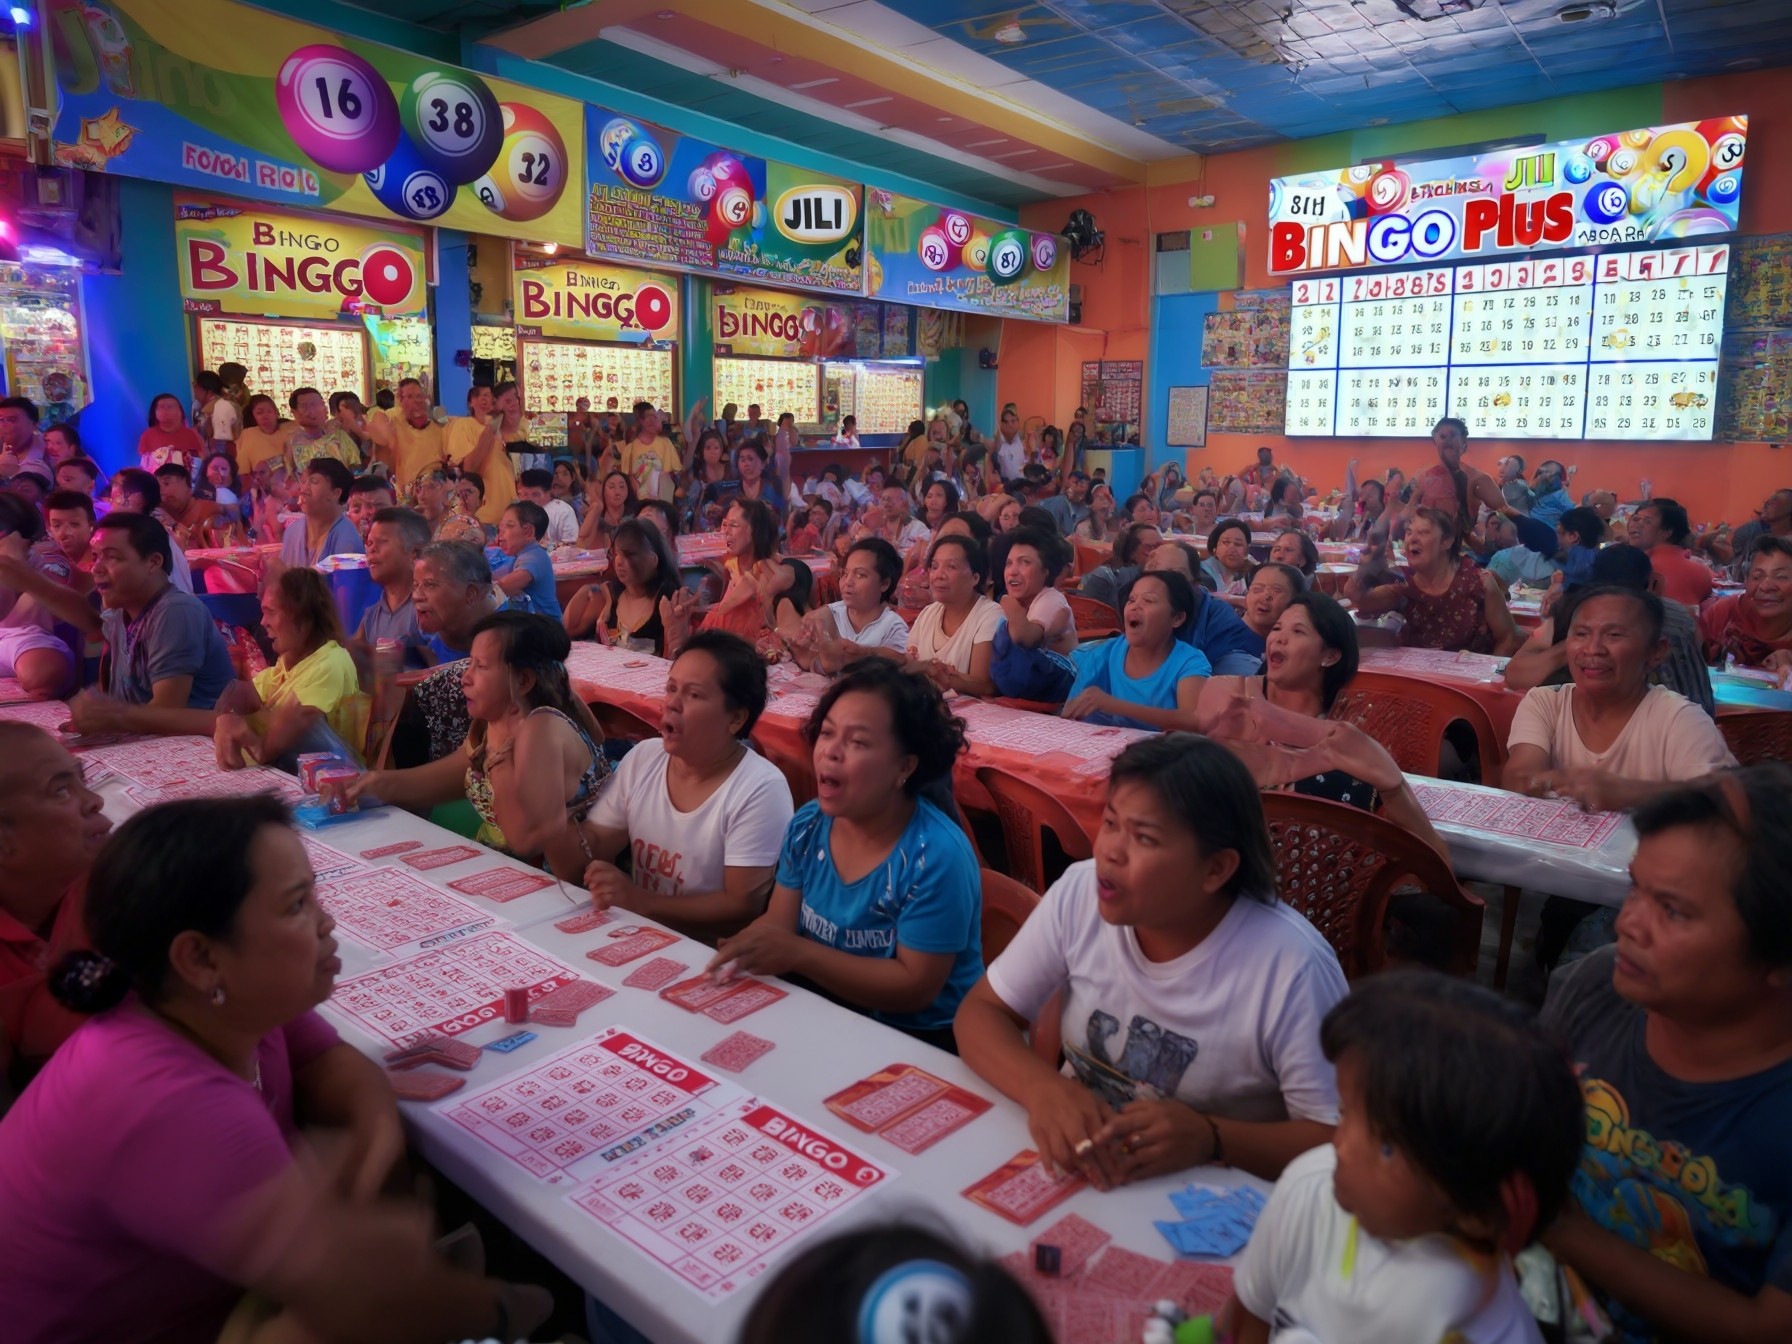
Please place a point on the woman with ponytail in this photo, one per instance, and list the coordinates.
(530, 764)
(148, 1174)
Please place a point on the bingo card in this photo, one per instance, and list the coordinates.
(722, 1203)
(448, 989)
(386, 909)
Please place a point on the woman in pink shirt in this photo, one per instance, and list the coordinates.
(149, 1177)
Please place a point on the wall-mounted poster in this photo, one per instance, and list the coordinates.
(1246, 403)
(1254, 334)
(673, 200)
(1188, 418)
(179, 91)
(943, 258)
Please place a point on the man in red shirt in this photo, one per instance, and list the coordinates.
(1438, 488)
(51, 828)
(1660, 527)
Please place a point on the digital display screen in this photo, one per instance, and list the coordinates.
(1611, 346)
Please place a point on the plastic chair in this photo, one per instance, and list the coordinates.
(1339, 866)
(1088, 557)
(1409, 717)
(1026, 812)
(1094, 619)
(1758, 735)
(1006, 905)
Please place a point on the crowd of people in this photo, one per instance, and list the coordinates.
(158, 983)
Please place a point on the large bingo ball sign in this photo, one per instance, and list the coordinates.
(453, 119)
(530, 175)
(653, 307)
(389, 278)
(1009, 253)
(337, 108)
(409, 187)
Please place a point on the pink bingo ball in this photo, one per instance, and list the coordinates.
(337, 108)
(935, 248)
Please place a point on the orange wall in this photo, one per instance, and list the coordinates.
(1715, 480)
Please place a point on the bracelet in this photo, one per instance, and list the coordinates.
(1219, 1146)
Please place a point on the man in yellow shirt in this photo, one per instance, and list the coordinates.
(475, 444)
(407, 440)
(649, 459)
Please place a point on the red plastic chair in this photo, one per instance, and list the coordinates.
(1094, 619)
(1409, 718)
(1026, 812)
(1339, 866)
(1089, 556)
(1006, 905)
(1758, 735)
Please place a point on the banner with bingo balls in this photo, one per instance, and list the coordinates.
(1653, 184)
(672, 200)
(942, 258)
(221, 97)
(253, 261)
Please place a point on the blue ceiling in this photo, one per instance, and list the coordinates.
(1215, 75)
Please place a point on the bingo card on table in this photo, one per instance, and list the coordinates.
(723, 1202)
(576, 1113)
(386, 909)
(1554, 821)
(448, 989)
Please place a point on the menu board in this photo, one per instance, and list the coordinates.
(774, 385)
(886, 400)
(553, 375)
(1620, 345)
(46, 354)
(282, 357)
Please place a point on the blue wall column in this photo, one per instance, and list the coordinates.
(131, 318)
(1177, 324)
(454, 321)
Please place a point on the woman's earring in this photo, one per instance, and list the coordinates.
(217, 996)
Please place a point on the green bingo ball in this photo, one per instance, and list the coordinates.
(1007, 256)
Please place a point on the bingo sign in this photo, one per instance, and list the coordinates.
(302, 117)
(1659, 184)
(936, 257)
(672, 200)
(583, 301)
(247, 260)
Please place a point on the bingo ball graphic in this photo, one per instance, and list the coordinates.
(957, 227)
(453, 119)
(387, 276)
(1578, 169)
(616, 133)
(337, 108)
(408, 186)
(653, 307)
(1007, 256)
(1725, 188)
(733, 207)
(975, 254)
(527, 180)
(1601, 149)
(702, 186)
(1388, 191)
(643, 163)
(1045, 251)
(935, 249)
(1623, 162)
(1606, 203)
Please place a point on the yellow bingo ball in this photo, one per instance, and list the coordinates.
(1681, 156)
(976, 252)
(1637, 138)
(1646, 193)
(527, 180)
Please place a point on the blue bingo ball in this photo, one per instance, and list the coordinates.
(643, 163)
(1578, 169)
(1725, 188)
(1606, 203)
(409, 187)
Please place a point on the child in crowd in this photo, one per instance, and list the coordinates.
(1459, 1126)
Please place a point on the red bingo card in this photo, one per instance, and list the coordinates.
(420, 1086)
(735, 1052)
(441, 858)
(583, 922)
(634, 944)
(655, 974)
(387, 851)
(501, 884)
(906, 1105)
(1020, 1190)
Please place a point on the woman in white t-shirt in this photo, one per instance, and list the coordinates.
(701, 815)
(952, 639)
(862, 622)
(1191, 996)
(1609, 739)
